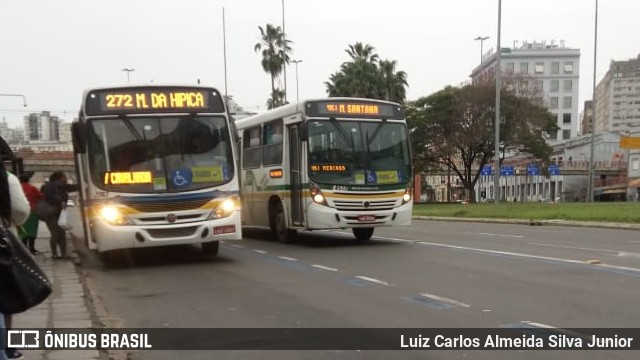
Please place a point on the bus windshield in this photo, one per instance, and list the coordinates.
(358, 152)
(159, 154)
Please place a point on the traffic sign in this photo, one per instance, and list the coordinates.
(507, 171)
(533, 170)
(486, 170)
(630, 142)
(554, 170)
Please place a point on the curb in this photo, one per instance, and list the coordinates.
(590, 224)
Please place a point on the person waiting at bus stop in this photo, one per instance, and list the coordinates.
(29, 230)
(56, 193)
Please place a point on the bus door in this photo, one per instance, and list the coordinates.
(295, 163)
(84, 197)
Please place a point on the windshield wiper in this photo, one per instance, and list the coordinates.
(376, 131)
(131, 128)
(343, 132)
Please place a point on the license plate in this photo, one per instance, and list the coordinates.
(366, 218)
(225, 229)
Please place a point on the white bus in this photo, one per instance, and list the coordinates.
(156, 167)
(334, 163)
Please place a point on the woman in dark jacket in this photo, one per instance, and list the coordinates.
(56, 193)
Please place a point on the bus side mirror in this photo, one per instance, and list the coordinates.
(78, 137)
(304, 134)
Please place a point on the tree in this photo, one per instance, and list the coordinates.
(275, 51)
(367, 77)
(276, 99)
(393, 82)
(454, 128)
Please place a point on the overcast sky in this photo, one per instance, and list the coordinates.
(52, 50)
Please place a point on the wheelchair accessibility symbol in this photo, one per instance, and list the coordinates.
(182, 177)
(371, 177)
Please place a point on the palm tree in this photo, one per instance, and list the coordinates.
(366, 76)
(275, 51)
(393, 82)
(361, 52)
(276, 99)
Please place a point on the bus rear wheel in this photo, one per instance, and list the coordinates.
(363, 234)
(211, 248)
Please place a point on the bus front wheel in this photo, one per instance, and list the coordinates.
(279, 227)
(363, 234)
(211, 248)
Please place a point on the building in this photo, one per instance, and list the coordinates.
(551, 70)
(618, 97)
(42, 126)
(587, 118)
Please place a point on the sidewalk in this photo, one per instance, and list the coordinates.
(66, 307)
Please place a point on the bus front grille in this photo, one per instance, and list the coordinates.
(147, 207)
(366, 205)
(171, 232)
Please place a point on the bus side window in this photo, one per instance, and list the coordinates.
(252, 149)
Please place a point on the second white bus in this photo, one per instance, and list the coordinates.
(334, 163)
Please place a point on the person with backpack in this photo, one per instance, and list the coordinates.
(14, 211)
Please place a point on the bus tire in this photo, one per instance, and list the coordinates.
(279, 228)
(113, 258)
(363, 234)
(211, 248)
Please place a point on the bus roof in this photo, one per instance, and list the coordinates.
(291, 109)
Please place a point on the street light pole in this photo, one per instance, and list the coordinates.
(284, 63)
(24, 99)
(482, 39)
(297, 90)
(496, 177)
(593, 128)
(128, 70)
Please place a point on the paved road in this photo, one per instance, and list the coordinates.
(432, 274)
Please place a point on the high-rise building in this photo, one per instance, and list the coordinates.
(618, 97)
(41, 126)
(544, 69)
(587, 118)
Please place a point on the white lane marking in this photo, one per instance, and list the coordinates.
(376, 281)
(287, 258)
(539, 325)
(394, 239)
(445, 300)
(501, 235)
(575, 247)
(260, 251)
(556, 329)
(237, 246)
(324, 267)
(521, 255)
(628, 254)
(634, 241)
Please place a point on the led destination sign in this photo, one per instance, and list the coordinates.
(127, 177)
(355, 108)
(154, 100)
(328, 168)
(139, 100)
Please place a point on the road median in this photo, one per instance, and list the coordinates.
(552, 222)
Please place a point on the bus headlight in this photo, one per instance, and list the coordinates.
(113, 216)
(407, 194)
(317, 196)
(225, 208)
